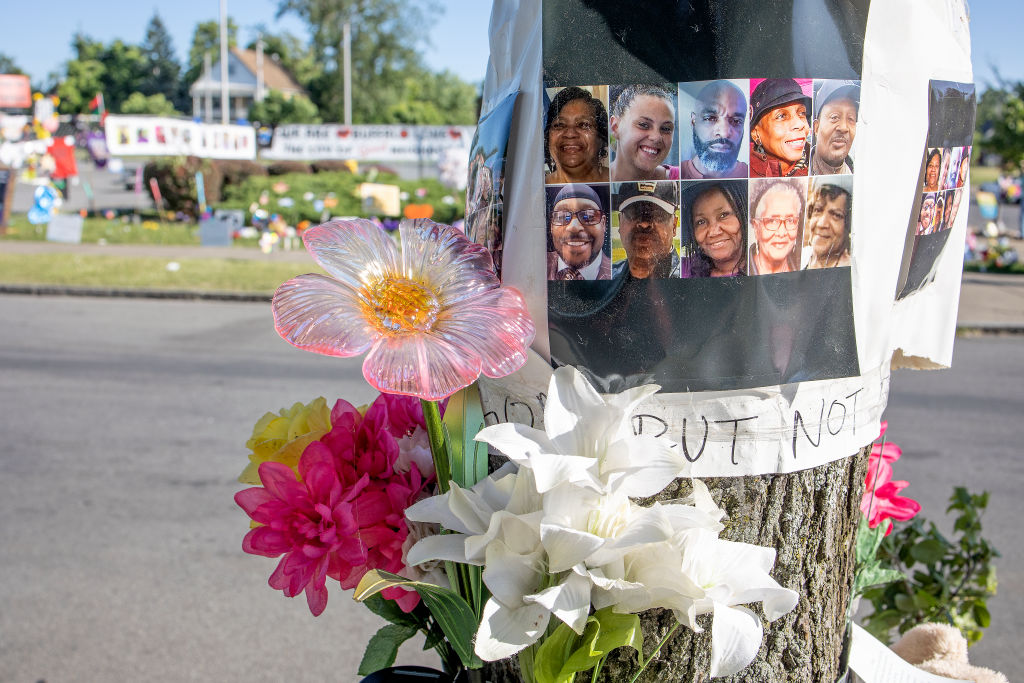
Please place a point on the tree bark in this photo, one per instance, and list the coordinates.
(811, 519)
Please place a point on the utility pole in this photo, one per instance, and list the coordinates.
(346, 48)
(225, 104)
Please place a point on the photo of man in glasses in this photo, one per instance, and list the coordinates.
(648, 218)
(577, 227)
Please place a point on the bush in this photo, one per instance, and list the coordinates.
(233, 172)
(176, 178)
(330, 166)
(285, 167)
(343, 185)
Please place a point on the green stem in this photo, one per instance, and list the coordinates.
(432, 417)
(653, 654)
(597, 669)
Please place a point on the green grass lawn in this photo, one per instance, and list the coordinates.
(205, 274)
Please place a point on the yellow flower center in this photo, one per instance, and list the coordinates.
(400, 305)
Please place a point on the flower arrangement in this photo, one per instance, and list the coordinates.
(549, 558)
(917, 575)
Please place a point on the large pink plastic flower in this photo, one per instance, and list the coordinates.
(433, 316)
(881, 501)
(345, 512)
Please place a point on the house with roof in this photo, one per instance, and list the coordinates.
(251, 75)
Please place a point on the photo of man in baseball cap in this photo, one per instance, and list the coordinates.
(647, 228)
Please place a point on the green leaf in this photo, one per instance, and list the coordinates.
(868, 540)
(925, 600)
(928, 552)
(463, 420)
(383, 648)
(874, 575)
(451, 611)
(553, 652)
(390, 611)
(563, 654)
(981, 615)
(905, 603)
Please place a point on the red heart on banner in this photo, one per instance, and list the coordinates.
(454, 133)
(405, 133)
(344, 132)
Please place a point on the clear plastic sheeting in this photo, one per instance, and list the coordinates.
(747, 252)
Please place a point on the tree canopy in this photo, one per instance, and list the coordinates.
(8, 65)
(163, 72)
(1000, 124)
(387, 70)
(390, 81)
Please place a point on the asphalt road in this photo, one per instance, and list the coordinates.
(124, 423)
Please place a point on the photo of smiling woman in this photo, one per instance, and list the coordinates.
(576, 137)
(643, 127)
(715, 228)
(932, 169)
(779, 127)
(776, 225)
(829, 218)
(578, 244)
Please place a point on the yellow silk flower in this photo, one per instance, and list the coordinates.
(282, 437)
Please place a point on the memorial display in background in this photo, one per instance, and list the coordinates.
(486, 184)
(366, 142)
(159, 136)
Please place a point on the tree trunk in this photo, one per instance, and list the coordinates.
(811, 519)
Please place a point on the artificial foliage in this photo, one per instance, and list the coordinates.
(941, 579)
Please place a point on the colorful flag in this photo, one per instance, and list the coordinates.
(96, 107)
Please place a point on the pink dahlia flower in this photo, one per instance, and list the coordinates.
(881, 501)
(431, 317)
(345, 512)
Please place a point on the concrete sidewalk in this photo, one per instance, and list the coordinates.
(992, 303)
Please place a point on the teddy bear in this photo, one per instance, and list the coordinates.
(942, 650)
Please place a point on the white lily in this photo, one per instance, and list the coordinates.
(588, 441)
(496, 524)
(698, 573)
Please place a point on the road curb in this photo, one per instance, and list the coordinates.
(109, 292)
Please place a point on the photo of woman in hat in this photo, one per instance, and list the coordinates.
(779, 128)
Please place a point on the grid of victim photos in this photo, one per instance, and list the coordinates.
(945, 177)
(699, 179)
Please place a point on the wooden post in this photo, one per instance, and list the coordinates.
(8, 180)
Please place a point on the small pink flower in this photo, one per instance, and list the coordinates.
(881, 501)
(430, 318)
(345, 512)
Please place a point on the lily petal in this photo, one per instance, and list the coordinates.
(735, 639)
(439, 547)
(504, 632)
(569, 601)
(567, 547)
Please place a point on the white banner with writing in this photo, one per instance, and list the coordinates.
(368, 143)
(164, 136)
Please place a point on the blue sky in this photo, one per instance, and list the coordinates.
(38, 37)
